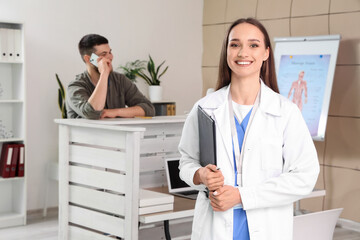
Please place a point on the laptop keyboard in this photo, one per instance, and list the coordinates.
(189, 193)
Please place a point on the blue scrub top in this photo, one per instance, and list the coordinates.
(240, 227)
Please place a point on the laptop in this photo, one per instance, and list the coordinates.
(177, 186)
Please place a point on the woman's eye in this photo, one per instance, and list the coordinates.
(233, 45)
(254, 45)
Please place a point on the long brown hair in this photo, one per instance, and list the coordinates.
(267, 72)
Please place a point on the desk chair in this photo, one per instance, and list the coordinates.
(317, 225)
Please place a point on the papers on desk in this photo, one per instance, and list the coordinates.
(152, 202)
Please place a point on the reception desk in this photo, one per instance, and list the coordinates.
(102, 165)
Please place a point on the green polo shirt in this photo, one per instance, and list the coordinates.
(121, 92)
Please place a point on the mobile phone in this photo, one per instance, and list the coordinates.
(93, 59)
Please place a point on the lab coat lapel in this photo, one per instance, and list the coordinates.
(269, 104)
(221, 115)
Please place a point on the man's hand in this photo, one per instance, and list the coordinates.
(210, 176)
(128, 112)
(104, 66)
(109, 113)
(224, 198)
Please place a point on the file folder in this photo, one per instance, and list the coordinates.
(207, 138)
(17, 45)
(10, 45)
(5, 161)
(3, 44)
(21, 163)
(14, 159)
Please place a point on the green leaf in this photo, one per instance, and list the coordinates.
(163, 72)
(145, 77)
(61, 97)
(60, 85)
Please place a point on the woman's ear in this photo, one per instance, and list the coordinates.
(267, 52)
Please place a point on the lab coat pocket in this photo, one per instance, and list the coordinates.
(271, 156)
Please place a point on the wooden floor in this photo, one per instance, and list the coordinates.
(47, 229)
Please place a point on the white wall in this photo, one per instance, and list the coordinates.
(168, 30)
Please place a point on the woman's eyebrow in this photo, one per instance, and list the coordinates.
(249, 40)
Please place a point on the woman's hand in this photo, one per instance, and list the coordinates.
(224, 198)
(210, 176)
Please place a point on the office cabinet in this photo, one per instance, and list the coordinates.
(12, 119)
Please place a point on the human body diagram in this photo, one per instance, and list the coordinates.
(299, 87)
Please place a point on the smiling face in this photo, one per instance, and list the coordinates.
(246, 51)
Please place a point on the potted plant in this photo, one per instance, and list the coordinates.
(61, 97)
(131, 69)
(152, 77)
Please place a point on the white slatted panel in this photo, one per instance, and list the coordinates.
(63, 182)
(151, 145)
(156, 145)
(153, 129)
(172, 143)
(132, 186)
(99, 200)
(97, 178)
(94, 220)
(104, 158)
(174, 129)
(158, 129)
(100, 137)
(76, 233)
(153, 179)
(152, 163)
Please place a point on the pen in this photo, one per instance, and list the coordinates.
(144, 117)
(217, 169)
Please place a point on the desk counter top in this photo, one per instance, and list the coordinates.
(126, 121)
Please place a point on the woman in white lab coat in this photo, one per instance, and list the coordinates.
(265, 154)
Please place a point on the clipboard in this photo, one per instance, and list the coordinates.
(207, 138)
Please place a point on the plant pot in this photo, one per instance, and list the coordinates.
(155, 93)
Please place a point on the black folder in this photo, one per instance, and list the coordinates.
(207, 138)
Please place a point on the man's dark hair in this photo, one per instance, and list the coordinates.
(88, 42)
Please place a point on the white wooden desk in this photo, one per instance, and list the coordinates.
(103, 164)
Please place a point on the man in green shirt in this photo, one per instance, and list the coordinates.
(99, 92)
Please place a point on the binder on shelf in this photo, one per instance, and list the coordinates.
(14, 159)
(173, 106)
(17, 45)
(5, 160)
(3, 44)
(169, 110)
(21, 162)
(165, 108)
(10, 45)
(207, 138)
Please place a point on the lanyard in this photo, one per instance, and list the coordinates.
(238, 153)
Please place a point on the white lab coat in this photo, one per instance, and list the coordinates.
(280, 166)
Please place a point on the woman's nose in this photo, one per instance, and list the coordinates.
(241, 52)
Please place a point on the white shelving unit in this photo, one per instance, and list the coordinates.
(12, 120)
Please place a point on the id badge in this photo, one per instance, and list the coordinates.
(238, 179)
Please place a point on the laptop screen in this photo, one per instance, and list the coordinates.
(173, 178)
